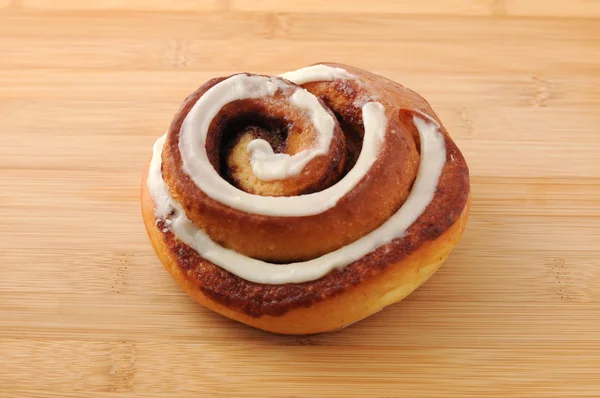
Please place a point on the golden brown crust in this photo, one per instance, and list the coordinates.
(257, 299)
(345, 295)
(335, 301)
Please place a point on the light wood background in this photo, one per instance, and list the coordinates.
(86, 310)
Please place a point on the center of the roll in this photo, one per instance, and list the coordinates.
(286, 143)
(270, 166)
(235, 163)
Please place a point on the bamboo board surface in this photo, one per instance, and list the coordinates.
(86, 310)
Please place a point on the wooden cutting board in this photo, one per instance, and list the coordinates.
(86, 310)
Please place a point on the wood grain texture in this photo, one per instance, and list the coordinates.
(553, 8)
(129, 5)
(453, 7)
(86, 310)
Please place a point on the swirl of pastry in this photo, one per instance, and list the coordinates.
(303, 202)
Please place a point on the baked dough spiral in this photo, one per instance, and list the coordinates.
(303, 202)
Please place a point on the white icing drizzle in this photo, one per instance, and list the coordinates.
(433, 157)
(316, 73)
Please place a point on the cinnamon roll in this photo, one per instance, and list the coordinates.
(304, 202)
